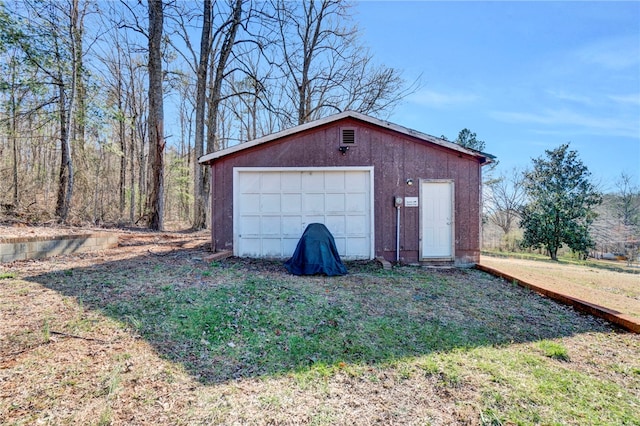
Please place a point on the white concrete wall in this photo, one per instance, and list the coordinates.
(22, 248)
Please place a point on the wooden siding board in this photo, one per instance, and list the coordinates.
(383, 205)
(410, 230)
(390, 148)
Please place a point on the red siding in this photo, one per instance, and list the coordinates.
(395, 157)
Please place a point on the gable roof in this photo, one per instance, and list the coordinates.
(483, 157)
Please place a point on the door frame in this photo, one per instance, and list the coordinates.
(368, 169)
(422, 256)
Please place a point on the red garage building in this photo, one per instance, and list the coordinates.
(381, 189)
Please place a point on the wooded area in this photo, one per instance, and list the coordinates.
(105, 106)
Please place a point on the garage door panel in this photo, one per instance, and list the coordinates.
(291, 203)
(250, 225)
(335, 202)
(273, 208)
(270, 225)
(355, 225)
(289, 245)
(334, 181)
(251, 203)
(356, 202)
(292, 182)
(336, 225)
(357, 180)
(313, 203)
(249, 183)
(291, 226)
(270, 182)
(272, 247)
(313, 181)
(311, 219)
(270, 203)
(251, 247)
(357, 245)
(341, 244)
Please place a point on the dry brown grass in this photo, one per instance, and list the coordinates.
(63, 360)
(615, 290)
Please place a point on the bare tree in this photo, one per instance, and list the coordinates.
(87, 142)
(503, 200)
(121, 74)
(628, 202)
(228, 31)
(13, 108)
(221, 22)
(324, 68)
(200, 181)
(51, 40)
(155, 204)
(66, 101)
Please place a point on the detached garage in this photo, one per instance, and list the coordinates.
(381, 190)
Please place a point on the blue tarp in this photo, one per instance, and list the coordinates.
(316, 253)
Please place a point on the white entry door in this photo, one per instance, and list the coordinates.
(273, 206)
(436, 220)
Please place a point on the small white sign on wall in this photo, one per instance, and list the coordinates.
(411, 201)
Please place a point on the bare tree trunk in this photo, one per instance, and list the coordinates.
(141, 170)
(309, 43)
(132, 147)
(65, 182)
(216, 86)
(132, 181)
(12, 123)
(80, 113)
(155, 205)
(96, 189)
(123, 147)
(200, 178)
(216, 89)
(14, 143)
(66, 173)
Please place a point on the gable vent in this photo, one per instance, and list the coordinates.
(348, 136)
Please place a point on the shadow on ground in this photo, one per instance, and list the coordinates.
(241, 318)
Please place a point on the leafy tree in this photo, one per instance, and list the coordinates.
(468, 139)
(561, 201)
(49, 39)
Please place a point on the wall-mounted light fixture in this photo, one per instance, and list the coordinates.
(409, 182)
(343, 149)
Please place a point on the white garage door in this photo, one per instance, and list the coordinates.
(273, 206)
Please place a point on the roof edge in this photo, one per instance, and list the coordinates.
(485, 158)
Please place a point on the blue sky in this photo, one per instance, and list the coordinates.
(524, 76)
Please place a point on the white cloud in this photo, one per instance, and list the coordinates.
(583, 123)
(571, 97)
(614, 53)
(633, 99)
(432, 98)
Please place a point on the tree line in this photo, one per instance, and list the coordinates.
(106, 106)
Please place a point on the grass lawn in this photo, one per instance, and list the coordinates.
(170, 339)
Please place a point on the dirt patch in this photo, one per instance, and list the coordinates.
(618, 291)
